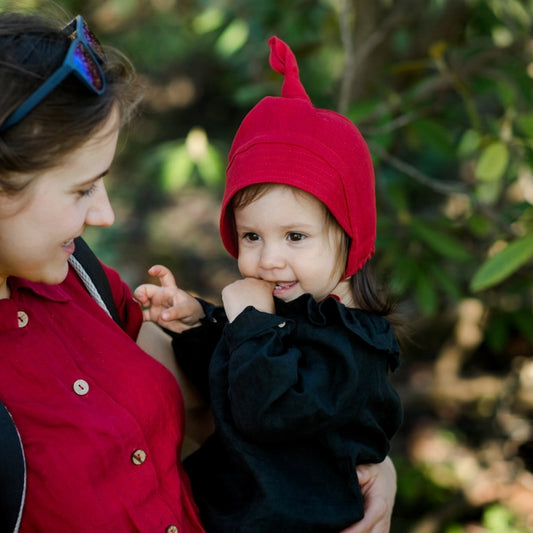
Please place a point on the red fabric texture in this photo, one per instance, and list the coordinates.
(79, 447)
(287, 140)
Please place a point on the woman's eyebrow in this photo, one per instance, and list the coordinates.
(92, 180)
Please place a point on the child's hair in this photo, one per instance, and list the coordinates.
(368, 295)
(31, 49)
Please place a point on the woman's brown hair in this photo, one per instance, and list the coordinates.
(31, 49)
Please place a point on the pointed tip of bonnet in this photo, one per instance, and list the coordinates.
(283, 61)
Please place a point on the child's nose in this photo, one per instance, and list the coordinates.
(271, 257)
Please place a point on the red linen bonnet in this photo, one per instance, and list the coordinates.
(287, 140)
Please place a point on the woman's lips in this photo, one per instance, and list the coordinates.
(69, 246)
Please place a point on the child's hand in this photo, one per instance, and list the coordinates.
(248, 291)
(167, 305)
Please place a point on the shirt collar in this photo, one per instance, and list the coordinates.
(55, 293)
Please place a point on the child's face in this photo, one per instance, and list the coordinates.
(283, 237)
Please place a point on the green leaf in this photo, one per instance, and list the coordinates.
(497, 335)
(233, 38)
(396, 194)
(211, 167)
(440, 242)
(469, 143)
(425, 293)
(524, 322)
(445, 281)
(403, 273)
(434, 134)
(502, 264)
(176, 168)
(359, 110)
(525, 123)
(492, 162)
(208, 20)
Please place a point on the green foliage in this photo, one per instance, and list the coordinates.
(195, 158)
(504, 263)
(498, 519)
(442, 92)
(492, 162)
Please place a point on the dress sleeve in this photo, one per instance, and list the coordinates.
(194, 347)
(282, 385)
(128, 309)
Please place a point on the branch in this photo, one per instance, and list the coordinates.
(446, 189)
(412, 172)
(357, 51)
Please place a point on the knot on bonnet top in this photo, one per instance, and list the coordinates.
(287, 140)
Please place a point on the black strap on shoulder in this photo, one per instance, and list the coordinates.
(94, 269)
(12, 474)
(12, 463)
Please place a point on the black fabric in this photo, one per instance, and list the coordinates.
(94, 268)
(202, 346)
(299, 398)
(11, 472)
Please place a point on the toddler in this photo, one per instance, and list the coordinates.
(296, 362)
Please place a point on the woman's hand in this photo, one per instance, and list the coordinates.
(378, 484)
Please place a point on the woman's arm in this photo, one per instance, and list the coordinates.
(378, 484)
(198, 419)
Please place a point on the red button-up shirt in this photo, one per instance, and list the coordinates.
(101, 421)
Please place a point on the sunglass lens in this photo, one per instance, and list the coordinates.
(70, 28)
(94, 42)
(88, 67)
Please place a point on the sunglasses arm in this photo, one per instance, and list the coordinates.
(44, 90)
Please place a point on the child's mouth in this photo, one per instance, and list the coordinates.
(283, 286)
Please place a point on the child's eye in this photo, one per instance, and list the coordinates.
(295, 236)
(87, 192)
(250, 236)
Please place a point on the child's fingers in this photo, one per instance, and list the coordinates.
(140, 294)
(145, 292)
(172, 313)
(179, 308)
(147, 317)
(165, 276)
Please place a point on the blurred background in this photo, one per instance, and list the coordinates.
(442, 90)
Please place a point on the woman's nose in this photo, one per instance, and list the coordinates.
(100, 212)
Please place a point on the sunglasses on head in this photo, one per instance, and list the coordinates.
(84, 57)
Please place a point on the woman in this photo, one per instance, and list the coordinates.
(101, 422)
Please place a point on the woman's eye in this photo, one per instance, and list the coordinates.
(295, 236)
(87, 192)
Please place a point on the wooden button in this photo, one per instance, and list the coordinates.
(81, 387)
(138, 457)
(22, 319)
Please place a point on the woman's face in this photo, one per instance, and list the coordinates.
(37, 226)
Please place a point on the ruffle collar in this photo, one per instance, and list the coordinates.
(374, 330)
